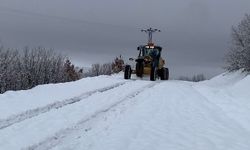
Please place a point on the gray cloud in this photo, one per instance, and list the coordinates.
(195, 34)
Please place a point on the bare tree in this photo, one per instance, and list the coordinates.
(106, 69)
(33, 67)
(95, 71)
(70, 71)
(9, 63)
(238, 56)
(117, 64)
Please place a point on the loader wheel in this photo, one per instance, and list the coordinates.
(153, 73)
(164, 73)
(139, 69)
(127, 72)
(167, 73)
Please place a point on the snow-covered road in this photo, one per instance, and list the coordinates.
(115, 114)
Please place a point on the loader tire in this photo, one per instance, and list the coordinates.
(153, 73)
(139, 69)
(167, 73)
(127, 72)
(164, 74)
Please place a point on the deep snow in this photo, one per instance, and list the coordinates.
(107, 112)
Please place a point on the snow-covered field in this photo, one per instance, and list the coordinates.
(110, 113)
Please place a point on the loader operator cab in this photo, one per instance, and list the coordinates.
(149, 54)
(152, 51)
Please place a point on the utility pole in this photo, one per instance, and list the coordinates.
(150, 32)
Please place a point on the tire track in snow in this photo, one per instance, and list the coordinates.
(4, 123)
(52, 141)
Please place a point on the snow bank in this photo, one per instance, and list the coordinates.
(14, 102)
(241, 88)
(46, 125)
(234, 84)
(225, 79)
(230, 92)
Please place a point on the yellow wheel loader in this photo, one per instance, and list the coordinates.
(149, 61)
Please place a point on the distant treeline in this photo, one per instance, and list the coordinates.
(195, 78)
(31, 67)
(27, 68)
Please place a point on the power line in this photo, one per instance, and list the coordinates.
(71, 20)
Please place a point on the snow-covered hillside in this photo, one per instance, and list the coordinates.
(110, 113)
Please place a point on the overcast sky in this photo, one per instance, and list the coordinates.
(195, 33)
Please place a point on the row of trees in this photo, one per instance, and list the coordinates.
(195, 78)
(31, 67)
(106, 69)
(238, 57)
